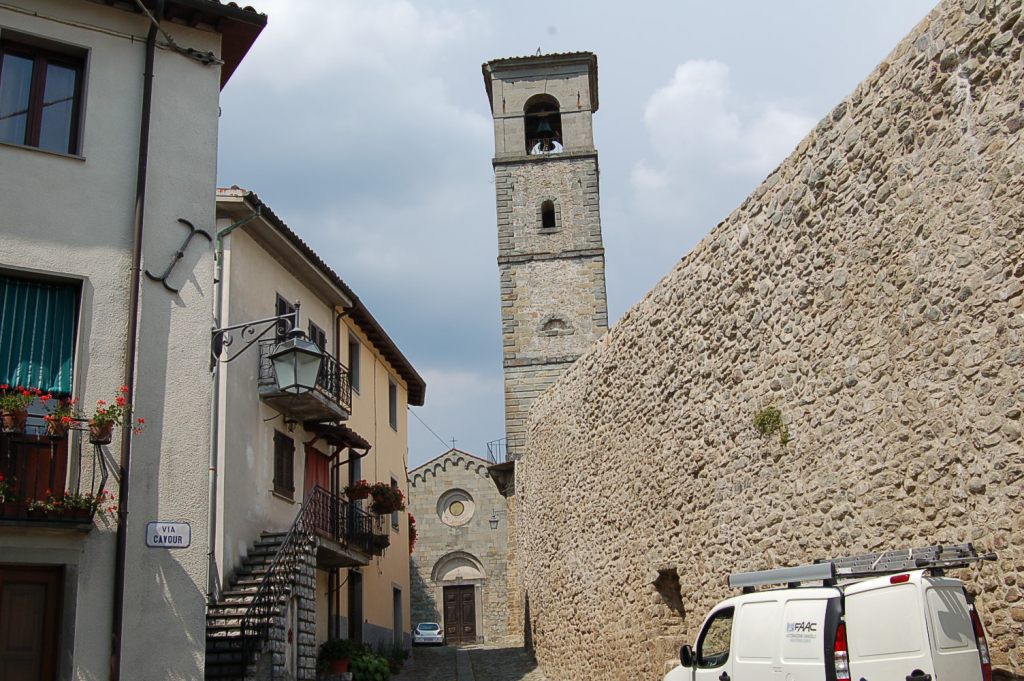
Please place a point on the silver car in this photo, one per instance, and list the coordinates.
(427, 632)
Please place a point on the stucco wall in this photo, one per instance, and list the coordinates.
(871, 290)
(438, 540)
(72, 217)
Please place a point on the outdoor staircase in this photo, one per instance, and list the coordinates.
(225, 646)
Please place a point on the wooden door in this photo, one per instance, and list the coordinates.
(459, 614)
(318, 471)
(29, 618)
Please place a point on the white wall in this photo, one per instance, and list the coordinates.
(73, 217)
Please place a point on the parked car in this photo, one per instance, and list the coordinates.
(427, 632)
(885, 616)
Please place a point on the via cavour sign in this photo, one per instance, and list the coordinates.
(161, 535)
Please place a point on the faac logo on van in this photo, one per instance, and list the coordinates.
(802, 626)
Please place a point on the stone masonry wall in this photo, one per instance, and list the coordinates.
(871, 290)
(456, 470)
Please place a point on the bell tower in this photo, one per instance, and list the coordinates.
(550, 252)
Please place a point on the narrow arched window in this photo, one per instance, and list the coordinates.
(543, 125)
(547, 215)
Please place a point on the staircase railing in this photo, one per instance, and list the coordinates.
(277, 583)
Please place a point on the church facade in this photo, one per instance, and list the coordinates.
(458, 563)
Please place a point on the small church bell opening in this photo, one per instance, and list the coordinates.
(543, 125)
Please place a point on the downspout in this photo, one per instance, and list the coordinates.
(132, 344)
(213, 574)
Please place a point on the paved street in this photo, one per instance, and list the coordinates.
(471, 663)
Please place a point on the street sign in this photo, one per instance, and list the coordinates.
(160, 535)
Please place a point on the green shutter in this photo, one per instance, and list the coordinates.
(37, 334)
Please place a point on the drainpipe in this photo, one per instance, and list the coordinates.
(132, 343)
(213, 574)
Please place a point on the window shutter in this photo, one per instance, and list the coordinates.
(37, 334)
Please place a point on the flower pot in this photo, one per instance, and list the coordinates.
(338, 666)
(357, 494)
(101, 433)
(56, 429)
(14, 421)
(76, 515)
(38, 513)
(12, 509)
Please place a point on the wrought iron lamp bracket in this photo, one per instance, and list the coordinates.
(247, 333)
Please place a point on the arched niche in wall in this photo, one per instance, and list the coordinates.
(555, 325)
(458, 566)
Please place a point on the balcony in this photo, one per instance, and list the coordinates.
(330, 401)
(349, 534)
(50, 472)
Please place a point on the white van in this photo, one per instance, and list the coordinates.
(901, 625)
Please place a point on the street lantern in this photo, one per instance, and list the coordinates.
(296, 363)
(494, 520)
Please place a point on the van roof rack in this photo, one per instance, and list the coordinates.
(828, 570)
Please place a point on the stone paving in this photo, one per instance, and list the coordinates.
(471, 663)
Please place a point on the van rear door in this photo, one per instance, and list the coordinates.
(954, 646)
(886, 631)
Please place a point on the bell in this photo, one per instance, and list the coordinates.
(544, 128)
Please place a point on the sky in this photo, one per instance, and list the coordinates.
(365, 126)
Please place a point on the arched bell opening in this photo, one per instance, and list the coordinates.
(543, 125)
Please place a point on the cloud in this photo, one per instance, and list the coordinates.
(699, 132)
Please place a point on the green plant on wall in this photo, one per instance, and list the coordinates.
(768, 421)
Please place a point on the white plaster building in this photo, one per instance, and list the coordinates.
(283, 461)
(108, 144)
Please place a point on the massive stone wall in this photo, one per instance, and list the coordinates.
(871, 290)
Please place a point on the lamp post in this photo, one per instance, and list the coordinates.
(296, 362)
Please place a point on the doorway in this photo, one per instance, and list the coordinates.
(355, 606)
(459, 614)
(30, 599)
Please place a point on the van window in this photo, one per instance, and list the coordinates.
(714, 641)
(950, 618)
(803, 633)
(757, 631)
(885, 621)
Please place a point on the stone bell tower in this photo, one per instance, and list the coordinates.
(550, 253)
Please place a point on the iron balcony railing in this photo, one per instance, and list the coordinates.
(504, 449)
(52, 479)
(333, 382)
(343, 521)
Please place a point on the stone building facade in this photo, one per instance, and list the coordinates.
(872, 290)
(461, 550)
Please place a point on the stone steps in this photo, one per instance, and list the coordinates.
(225, 644)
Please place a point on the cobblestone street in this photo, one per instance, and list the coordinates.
(471, 663)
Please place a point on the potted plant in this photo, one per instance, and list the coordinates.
(336, 654)
(45, 507)
(9, 506)
(63, 416)
(82, 506)
(413, 532)
(358, 490)
(106, 416)
(386, 499)
(14, 405)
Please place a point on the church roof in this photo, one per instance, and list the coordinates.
(529, 62)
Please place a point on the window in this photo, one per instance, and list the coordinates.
(547, 215)
(713, 644)
(394, 514)
(283, 307)
(40, 97)
(353, 361)
(37, 333)
(393, 404)
(284, 465)
(318, 336)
